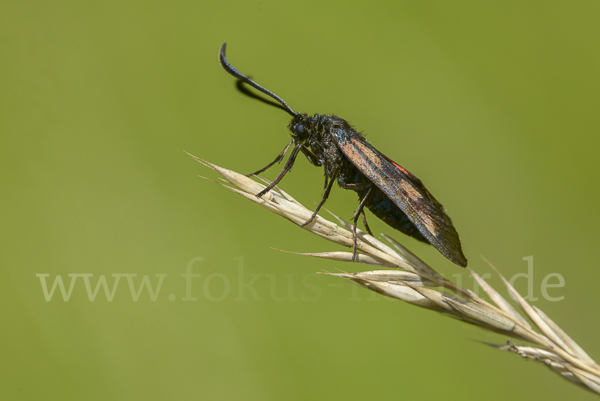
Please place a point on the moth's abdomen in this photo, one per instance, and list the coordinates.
(379, 203)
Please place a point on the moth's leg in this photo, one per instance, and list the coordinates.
(277, 160)
(288, 166)
(365, 223)
(358, 187)
(325, 196)
(357, 213)
(312, 158)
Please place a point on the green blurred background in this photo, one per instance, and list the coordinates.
(493, 105)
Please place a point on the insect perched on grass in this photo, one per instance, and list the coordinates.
(388, 190)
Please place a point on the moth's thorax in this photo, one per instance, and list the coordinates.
(315, 133)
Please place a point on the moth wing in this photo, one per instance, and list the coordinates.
(407, 192)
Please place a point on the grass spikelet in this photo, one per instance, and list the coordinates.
(419, 284)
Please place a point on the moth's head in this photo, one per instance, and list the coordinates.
(300, 127)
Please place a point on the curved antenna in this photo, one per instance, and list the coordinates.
(231, 70)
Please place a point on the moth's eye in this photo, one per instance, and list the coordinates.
(299, 129)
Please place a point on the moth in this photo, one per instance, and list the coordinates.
(388, 190)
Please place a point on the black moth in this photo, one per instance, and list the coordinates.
(388, 190)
